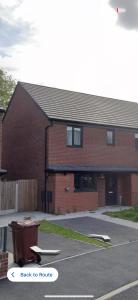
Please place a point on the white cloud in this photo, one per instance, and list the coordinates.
(129, 19)
(77, 45)
(13, 30)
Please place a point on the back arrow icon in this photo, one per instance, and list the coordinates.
(12, 274)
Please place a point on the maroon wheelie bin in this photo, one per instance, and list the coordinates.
(25, 235)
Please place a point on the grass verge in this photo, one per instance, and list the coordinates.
(127, 214)
(49, 227)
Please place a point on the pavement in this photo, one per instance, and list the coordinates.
(98, 214)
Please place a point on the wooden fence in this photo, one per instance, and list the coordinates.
(19, 195)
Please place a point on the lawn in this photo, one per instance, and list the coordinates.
(49, 227)
(127, 214)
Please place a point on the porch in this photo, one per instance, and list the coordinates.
(113, 186)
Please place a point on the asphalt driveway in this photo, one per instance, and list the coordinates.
(86, 225)
(96, 273)
(83, 268)
(47, 241)
(131, 294)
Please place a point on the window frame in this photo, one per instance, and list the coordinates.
(81, 136)
(81, 188)
(113, 137)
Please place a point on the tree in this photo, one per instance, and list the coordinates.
(7, 85)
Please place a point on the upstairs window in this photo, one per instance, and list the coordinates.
(74, 136)
(136, 141)
(110, 137)
(85, 182)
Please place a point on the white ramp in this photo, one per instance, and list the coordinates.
(44, 252)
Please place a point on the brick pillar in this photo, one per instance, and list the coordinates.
(3, 264)
(120, 195)
(134, 189)
(101, 191)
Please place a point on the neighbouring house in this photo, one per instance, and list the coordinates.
(82, 149)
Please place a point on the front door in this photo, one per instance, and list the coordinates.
(111, 189)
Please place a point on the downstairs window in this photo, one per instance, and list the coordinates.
(85, 182)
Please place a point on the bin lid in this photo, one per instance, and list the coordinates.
(27, 223)
(24, 223)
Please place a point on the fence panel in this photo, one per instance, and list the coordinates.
(27, 195)
(8, 195)
(20, 195)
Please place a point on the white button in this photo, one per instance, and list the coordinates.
(32, 274)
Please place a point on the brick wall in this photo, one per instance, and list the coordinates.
(134, 189)
(128, 188)
(95, 151)
(51, 188)
(3, 264)
(101, 191)
(23, 152)
(124, 189)
(70, 201)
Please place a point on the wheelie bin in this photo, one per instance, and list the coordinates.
(25, 235)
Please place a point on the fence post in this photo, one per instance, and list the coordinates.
(5, 240)
(16, 197)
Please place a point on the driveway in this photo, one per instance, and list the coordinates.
(131, 294)
(86, 225)
(47, 241)
(83, 268)
(96, 273)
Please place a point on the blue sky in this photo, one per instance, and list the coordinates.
(80, 45)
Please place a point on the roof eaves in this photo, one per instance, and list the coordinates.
(90, 123)
(70, 168)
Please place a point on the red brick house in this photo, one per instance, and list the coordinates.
(83, 149)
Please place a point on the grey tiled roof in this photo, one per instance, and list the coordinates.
(74, 106)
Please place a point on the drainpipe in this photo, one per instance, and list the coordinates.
(46, 204)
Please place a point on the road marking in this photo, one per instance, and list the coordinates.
(69, 296)
(118, 291)
(73, 256)
(89, 252)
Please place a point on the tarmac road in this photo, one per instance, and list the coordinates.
(96, 273)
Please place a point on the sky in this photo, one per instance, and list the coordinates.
(80, 45)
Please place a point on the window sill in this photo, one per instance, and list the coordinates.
(74, 146)
(85, 191)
